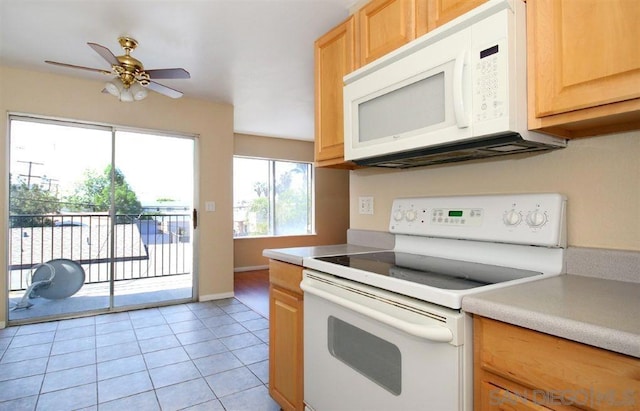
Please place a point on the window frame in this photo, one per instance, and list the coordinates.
(311, 200)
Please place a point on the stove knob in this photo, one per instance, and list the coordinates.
(536, 218)
(410, 215)
(512, 217)
(398, 215)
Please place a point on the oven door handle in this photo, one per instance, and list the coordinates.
(435, 333)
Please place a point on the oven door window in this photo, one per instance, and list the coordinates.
(375, 358)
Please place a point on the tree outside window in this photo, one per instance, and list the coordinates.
(272, 197)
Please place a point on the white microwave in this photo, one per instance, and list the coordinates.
(457, 93)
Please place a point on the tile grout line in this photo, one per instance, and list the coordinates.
(191, 360)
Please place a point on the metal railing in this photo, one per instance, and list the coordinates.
(151, 245)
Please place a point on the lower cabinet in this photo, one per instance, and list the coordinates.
(286, 385)
(520, 369)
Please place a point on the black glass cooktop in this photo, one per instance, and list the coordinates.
(432, 271)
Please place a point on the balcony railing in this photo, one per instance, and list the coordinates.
(152, 245)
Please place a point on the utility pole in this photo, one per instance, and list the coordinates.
(31, 163)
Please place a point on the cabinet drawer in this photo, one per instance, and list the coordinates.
(496, 398)
(285, 275)
(568, 372)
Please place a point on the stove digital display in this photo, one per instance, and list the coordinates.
(455, 213)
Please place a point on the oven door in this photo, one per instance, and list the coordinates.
(367, 349)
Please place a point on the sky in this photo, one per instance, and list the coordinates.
(154, 166)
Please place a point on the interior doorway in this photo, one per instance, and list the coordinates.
(100, 219)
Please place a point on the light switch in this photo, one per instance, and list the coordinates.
(210, 206)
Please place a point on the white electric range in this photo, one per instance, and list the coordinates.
(384, 330)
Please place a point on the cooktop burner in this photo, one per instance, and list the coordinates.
(432, 271)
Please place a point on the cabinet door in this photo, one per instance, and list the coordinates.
(582, 54)
(550, 371)
(383, 26)
(286, 349)
(334, 58)
(443, 11)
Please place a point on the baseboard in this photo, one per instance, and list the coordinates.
(3, 325)
(250, 268)
(211, 297)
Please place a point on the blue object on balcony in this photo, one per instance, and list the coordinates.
(53, 280)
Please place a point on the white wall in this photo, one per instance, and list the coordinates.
(599, 175)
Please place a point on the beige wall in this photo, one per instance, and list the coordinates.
(65, 97)
(600, 177)
(332, 200)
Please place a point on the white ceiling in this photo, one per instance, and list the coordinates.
(254, 54)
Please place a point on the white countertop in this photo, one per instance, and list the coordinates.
(295, 255)
(599, 312)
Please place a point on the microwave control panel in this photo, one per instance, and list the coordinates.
(490, 88)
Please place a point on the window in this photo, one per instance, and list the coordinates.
(272, 197)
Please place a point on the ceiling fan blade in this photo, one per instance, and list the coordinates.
(167, 91)
(55, 63)
(105, 53)
(170, 73)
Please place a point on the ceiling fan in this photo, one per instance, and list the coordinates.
(132, 80)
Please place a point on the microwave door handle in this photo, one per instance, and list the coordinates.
(435, 333)
(462, 118)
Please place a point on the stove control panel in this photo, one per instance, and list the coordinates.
(534, 219)
(459, 216)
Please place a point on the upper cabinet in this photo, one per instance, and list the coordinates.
(334, 58)
(440, 12)
(583, 63)
(384, 25)
(583, 66)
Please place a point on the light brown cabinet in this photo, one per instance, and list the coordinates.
(286, 378)
(583, 66)
(440, 12)
(520, 369)
(334, 58)
(384, 25)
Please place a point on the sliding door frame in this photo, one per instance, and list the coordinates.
(114, 129)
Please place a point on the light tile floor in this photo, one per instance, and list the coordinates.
(197, 356)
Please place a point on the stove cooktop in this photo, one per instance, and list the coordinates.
(435, 272)
(449, 247)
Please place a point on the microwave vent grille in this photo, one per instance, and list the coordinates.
(488, 146)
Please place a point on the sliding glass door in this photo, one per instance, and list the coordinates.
(153, 208)
(100, 219)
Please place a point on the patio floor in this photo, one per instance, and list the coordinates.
(93, 297)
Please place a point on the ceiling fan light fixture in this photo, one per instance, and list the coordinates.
(138, 91)
(113, 87)
(135, 92)
(126, 95)
(132, 82)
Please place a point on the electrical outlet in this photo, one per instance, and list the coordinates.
(365, 205)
